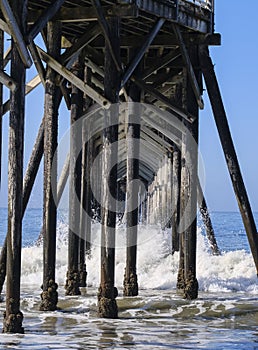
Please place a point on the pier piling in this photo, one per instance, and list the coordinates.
(207, 220)
(188, 205)
(229, 150)
(1, 99)
(132, 190)
(73, 275)
(85, 217)
(107, 306)
(49, 296)
(13, 317)
(176, 179)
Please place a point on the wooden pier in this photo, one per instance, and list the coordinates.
(139, 66)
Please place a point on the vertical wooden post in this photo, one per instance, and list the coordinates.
(13, 316)
(176, 182)
(86, 194)
(85, 198)
(4, 248)
(189, 186)
(229, 151)
(97, 182)
(159, 186)
(165, 187)
(107, 306)
(28, 182)
(1, 97)
(207, 221)
(83, 215)
(49, 296)
(73, 276)
(132, 189)
(148, 205)
(182, 199)
(165, 197)
(151, 213)
(144, 204)
(159, 203)
(3, 260)
(154, 217)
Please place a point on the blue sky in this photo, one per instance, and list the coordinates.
(236, 68)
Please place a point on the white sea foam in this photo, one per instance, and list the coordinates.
(157, 268)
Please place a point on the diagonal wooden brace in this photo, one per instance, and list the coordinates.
(142, 51)
(16, 33)
(190, 70)
(7, 81)
(155, 93)
(41, 22)
(68, 75)
(106, 30)
(229, 150)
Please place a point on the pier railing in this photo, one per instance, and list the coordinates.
(203, 7)
(194, 14)
(206, 4)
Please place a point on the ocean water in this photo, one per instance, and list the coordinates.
(225, 316)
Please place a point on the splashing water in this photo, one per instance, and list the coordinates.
(224, 316)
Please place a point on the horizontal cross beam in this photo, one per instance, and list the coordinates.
(30, 86)
(7, 81)
(87, 14)
(165, 40)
